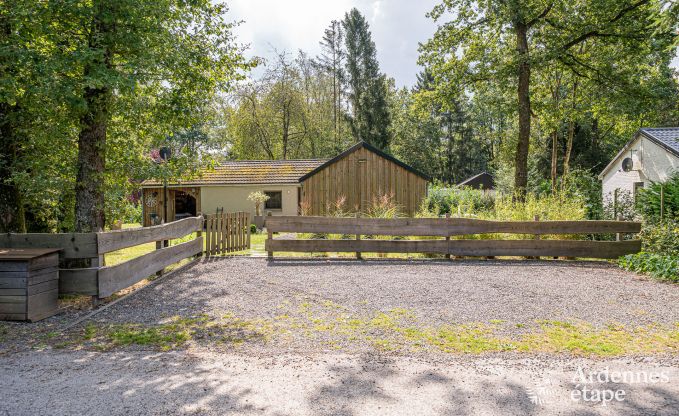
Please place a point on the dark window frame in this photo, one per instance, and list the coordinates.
(278, 206)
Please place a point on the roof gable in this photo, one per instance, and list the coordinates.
(665, 137)
(367, 146)
(483, 180)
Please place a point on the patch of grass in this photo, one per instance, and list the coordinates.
(398, 329)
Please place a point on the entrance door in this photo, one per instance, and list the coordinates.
(184, 205)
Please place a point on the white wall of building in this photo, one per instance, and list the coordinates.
(657, 165)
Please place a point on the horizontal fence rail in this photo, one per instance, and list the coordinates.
(80, 250)
(443, 227)
(439, 227)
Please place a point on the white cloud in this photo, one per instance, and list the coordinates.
(397, 27)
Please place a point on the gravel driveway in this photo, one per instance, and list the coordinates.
(277, 353)
(436, 292)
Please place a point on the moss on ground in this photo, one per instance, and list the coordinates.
(330, 325)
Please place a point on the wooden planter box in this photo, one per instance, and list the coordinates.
(29, 283)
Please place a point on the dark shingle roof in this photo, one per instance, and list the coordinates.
(667, 137)
(246, 172)
(483, 180)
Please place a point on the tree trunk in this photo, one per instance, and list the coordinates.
(523, 144)
(571, 133)
(555, 142)
(12, 214)
(89, 187)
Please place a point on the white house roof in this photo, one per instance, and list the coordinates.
(665, 137)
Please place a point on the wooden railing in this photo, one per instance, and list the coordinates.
(450, 227)
(99, 280)
(227, 233)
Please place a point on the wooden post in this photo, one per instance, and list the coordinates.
(618, 236)
(269, 237)
(448, 237)
(247, 223)
(358, 238)
(99, 261)
(537, 236)
(199, 234)
(615, 203)
(159, 246)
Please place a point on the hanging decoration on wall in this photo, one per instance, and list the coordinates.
(152, 200)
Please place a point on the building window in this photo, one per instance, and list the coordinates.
(275, 200)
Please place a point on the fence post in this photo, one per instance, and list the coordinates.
(247, 224)
(618, 236)
(199, 233)
(537, 236)
(448, 238)
(159, 246)
(358, 238)
(269, 237)
(615, 203)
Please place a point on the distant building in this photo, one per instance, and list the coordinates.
(483, 180)
(358, 176)
(651, 156)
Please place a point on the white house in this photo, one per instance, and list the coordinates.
(651, 156)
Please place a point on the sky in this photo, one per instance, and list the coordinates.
(398, 26)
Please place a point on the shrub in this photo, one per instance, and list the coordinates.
(657, 265)
(557, 206)
(622, 206)
(253, 229)
(463, 201)
(384, 207)
(258, 198)
(661, 238)
(650, 203)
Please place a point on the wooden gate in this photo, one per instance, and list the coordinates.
(227, 233)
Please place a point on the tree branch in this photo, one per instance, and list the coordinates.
(540, 16)
(596, 33)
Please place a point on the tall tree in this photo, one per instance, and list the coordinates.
(332, 62)
(181, 52)
(367, 86)
(496, 41)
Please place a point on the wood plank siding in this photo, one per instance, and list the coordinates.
(360, 176)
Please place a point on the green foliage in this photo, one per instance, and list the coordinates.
(659, 197)
(660, 266)
(124, 74)
(258, 198)
(557, 206)
(367, 86)
(619, 205)
(457, 201)
(586, 94)
(384, 206)
(661, 238)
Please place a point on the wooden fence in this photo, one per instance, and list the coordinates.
(446, 228)
(227, 233)
(99, 280)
